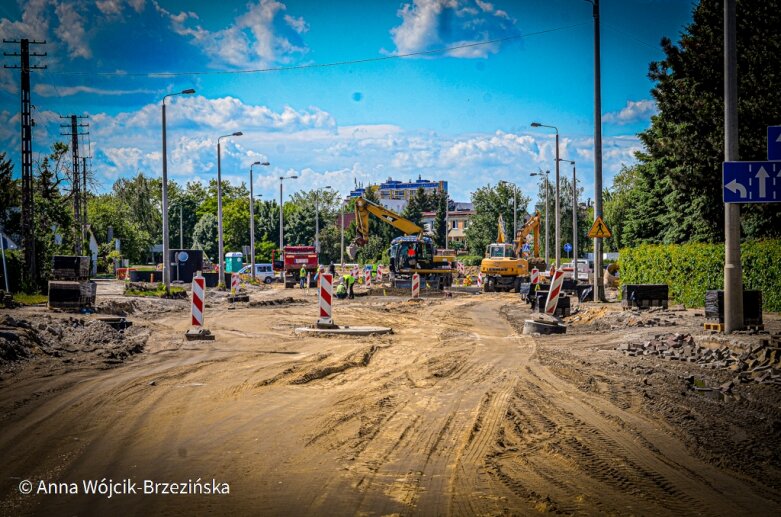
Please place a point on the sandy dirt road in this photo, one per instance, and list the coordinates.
(452, 414)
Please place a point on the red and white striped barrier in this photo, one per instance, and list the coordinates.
(379, 274)
(326, 299)
(480, 279)
(535, 276)
(367, 277)
(308, 280)
(554, 292)
(460, 267)
(199, 290)
(416, 285)
(235, 284)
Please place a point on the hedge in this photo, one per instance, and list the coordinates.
(692, 269)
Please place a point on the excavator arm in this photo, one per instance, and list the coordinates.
(532, 225)
(364, 207)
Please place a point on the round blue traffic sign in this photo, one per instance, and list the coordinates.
(568, 247)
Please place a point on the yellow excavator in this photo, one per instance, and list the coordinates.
(504, 268)
(410, 254)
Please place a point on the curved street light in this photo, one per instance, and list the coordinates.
(166, 251)
(220, 252)
(556, 205)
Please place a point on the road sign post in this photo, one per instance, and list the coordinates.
(752, 182)
(774, 143)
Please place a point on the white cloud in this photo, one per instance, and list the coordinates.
(264, 34)
(432, 24)
(632, 112)
(50, 90)
(71, 30)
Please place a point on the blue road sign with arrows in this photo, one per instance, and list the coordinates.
(774, 142)
(526, 248)
(752, 182)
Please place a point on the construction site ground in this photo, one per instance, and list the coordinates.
(456, 412)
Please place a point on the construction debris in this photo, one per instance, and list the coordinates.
(761, 363)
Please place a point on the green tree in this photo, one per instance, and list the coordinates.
(676, 189)
(418, 203)
(205, 235)
(489, 202)
(235, 224)
(10, 200)
(107, 211)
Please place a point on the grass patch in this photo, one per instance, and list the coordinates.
(30, 299)
(153, 290)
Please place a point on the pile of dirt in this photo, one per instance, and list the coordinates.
(68, 340)
(125, 306)
(276, 301)
(606, 318)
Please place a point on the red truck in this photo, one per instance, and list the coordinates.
(293, 257)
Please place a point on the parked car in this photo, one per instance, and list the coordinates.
(263, 272)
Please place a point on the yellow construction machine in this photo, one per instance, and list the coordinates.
(504, 267)
(410, 254)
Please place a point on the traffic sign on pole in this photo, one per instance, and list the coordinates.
(599, 230)
(774, 142)
(567, 247)
(752, 182)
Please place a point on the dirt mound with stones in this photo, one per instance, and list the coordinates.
(67, 340)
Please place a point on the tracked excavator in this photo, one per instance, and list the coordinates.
(504, 267)
(409, 254)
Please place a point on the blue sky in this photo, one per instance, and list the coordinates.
(461, 115)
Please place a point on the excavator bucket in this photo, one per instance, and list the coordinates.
(352, 251)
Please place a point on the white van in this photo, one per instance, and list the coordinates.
(263, 272)
(584, 269)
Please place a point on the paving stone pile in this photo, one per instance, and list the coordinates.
(761, 363)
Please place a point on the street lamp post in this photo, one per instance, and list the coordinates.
(317, 217)
(252, 218)
(221, 249)
(341, 210)
(547, 233)
(166, 252)
(574, 218)
(281, 219)
(556, 208)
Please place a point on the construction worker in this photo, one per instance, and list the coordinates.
(341, 291)
(302, 277)
(332, 269)
(350, 281)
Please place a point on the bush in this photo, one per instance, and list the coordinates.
(470, 260)
(691, 269)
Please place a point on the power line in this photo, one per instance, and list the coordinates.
(327, 65)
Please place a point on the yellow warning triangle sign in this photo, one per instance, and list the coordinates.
(599, 230)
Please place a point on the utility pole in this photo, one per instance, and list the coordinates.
(599, 287)
(28, 218)
(733, 271)
(76, 181)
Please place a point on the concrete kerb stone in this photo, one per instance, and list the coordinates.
(344, 330)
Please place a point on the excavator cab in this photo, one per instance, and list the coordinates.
(500, 251)
(410, 253)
